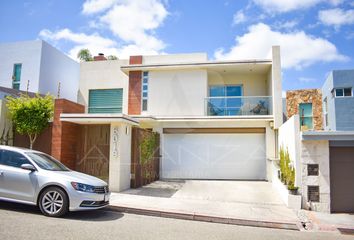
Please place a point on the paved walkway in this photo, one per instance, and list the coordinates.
(237, 202)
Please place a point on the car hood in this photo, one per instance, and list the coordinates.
(74, 176)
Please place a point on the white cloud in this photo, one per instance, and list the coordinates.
(290, 5)
(132, 22)
(336, 17)
(95, 43)
(298, 49)
(307, 79)
(239, 17)
(96, 6)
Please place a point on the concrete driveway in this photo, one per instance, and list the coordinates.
(254, 201)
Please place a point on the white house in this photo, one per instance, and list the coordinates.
(36, 66)
(216, 119)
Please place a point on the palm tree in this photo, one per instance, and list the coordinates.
(84, 55)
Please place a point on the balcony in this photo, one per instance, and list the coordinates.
(238, 106)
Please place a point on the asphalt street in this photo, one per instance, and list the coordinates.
(26, 222)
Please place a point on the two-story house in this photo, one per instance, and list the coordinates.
(36, 66)
(216, 119)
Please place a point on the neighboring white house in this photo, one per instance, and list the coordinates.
(216, 119)
(36, 66)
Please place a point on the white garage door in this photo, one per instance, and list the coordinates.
(214, 156)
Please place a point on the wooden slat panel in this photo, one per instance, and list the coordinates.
(212, 130)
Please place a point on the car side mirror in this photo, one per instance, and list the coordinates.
(28, 166)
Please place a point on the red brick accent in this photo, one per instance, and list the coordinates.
(134, 96)
(65, 135)
(136, 60)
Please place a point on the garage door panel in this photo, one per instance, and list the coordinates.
(214, 156)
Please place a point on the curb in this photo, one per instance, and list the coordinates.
(206, 218)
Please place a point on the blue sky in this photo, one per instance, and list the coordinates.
(315, 36)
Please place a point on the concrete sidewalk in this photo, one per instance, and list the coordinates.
(254, 203)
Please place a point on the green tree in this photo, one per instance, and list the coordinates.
(84, 55)
(30, 116)
(112, 57)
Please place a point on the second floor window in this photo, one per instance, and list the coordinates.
(224, 100)
(343, 92)
(105, 100)
(16, 76)
(144, 91)
(306, 117)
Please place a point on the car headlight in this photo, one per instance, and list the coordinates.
(83, 187)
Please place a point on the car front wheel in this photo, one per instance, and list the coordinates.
(53, 202)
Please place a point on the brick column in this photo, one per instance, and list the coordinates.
(65, 135)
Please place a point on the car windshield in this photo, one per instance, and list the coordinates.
(47, 162)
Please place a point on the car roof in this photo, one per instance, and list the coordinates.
(17, 149)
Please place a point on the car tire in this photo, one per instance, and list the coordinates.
(53, 202)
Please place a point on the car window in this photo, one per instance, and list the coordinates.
(12, 159)
(46, 162)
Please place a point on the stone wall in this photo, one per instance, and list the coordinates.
(314, 96)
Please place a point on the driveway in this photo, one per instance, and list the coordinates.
(243, 200)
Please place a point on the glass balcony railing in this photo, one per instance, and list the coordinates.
(238, 106)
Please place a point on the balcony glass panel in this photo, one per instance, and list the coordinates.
(238, 106)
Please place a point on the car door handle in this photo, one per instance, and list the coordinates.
(1, 173)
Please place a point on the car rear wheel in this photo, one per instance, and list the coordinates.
(53, 202)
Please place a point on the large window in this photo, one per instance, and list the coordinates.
(105, 101)
(306, 117)
(144, 91)
(343, 92)
(224, 100)
(16, 76)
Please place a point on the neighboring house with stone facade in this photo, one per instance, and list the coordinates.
(320, 140)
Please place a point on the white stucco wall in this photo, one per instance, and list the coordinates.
(103, 75)
(29, 55)
(277, 87)
(120, 157)
(43, 67)
(177, 93)
(175, 58)
(289, 139)
(57, 67)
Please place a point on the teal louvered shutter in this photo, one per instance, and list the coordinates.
(105, 101)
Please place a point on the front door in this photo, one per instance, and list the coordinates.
(15, 182)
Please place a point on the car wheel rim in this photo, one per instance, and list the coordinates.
(52, 202)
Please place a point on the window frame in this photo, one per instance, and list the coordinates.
(18, 82)
(144, 99)
(343, 90)
(312, 127)
(226, 109)
(104, 107)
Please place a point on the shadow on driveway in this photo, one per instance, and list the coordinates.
(100, 215)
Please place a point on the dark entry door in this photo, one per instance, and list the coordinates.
(342, 179)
